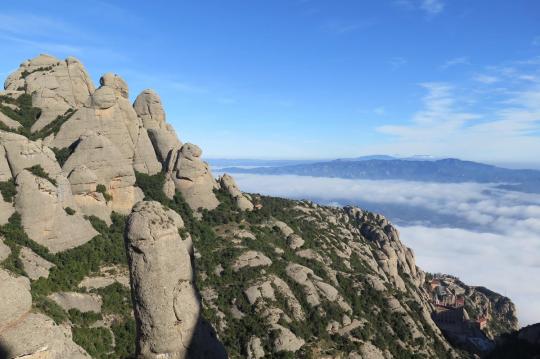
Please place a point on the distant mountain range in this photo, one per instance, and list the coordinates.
(382, 167)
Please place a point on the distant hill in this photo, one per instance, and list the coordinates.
(448, 170)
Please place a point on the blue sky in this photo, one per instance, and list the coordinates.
(311, 78)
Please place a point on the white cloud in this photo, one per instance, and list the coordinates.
(485, 79)
(463, 60)
(432, 7)
(498, 260)
(450, 125)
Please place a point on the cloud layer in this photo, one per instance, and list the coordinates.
(490, 237)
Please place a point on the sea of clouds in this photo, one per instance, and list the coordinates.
(484, 235)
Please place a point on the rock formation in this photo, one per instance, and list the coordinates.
(55, 86)
(24, 334)
(281, 278)
(192, 177)
(149, 108)
(229, 184)
(160, 263)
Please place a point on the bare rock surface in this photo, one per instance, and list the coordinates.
(192, 177)
(149, 108)
(37, 336)
(41, 205)
(40, 201)
(251, 259)
(160, 263)
(80, 301)
(55, 85)
(106, 164)
(228, 183)
(34, 266)
(109, 113)
(15, 298)
(255, 349)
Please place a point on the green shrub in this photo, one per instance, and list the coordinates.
(125, 337)
(69, 211)
(8, 190)
(103, 190)
(37, 170)
(96, 341)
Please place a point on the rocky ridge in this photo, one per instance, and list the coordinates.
(94, 187)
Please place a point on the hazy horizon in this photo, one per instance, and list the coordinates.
(319, 79)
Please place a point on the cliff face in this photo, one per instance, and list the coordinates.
(197, 269)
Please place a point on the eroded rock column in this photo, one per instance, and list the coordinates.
(165, 302)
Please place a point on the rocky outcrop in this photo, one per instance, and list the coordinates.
(81, 301)
(34, 266)
(38, 336)
(24, 334)
(55, 86)
(109, 113)
(42, 204)
(103, 164)
(192, 177)
(251, 259)
(15, 298)
(159, 263)
(21, 153)
(229, 184)
(150, 110)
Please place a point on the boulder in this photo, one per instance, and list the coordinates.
(115, 82)
(42, 204)
(294, 241)
(34, 266)
(55, 86)
(229, 184)
(160, 263)
(251, 259)
(149, 108)
(192, 177)
(286, 341)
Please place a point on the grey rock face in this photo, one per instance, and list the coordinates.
(36, 336)
(109, 113)
(34, 266)
(55, 85)
(192, 177)
(41, 205)
(15, 298)
(228, 183)
(150, 110)
(165, 302)
(80, 301)
(105, 165)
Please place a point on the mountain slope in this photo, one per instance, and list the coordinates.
(116, 240)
